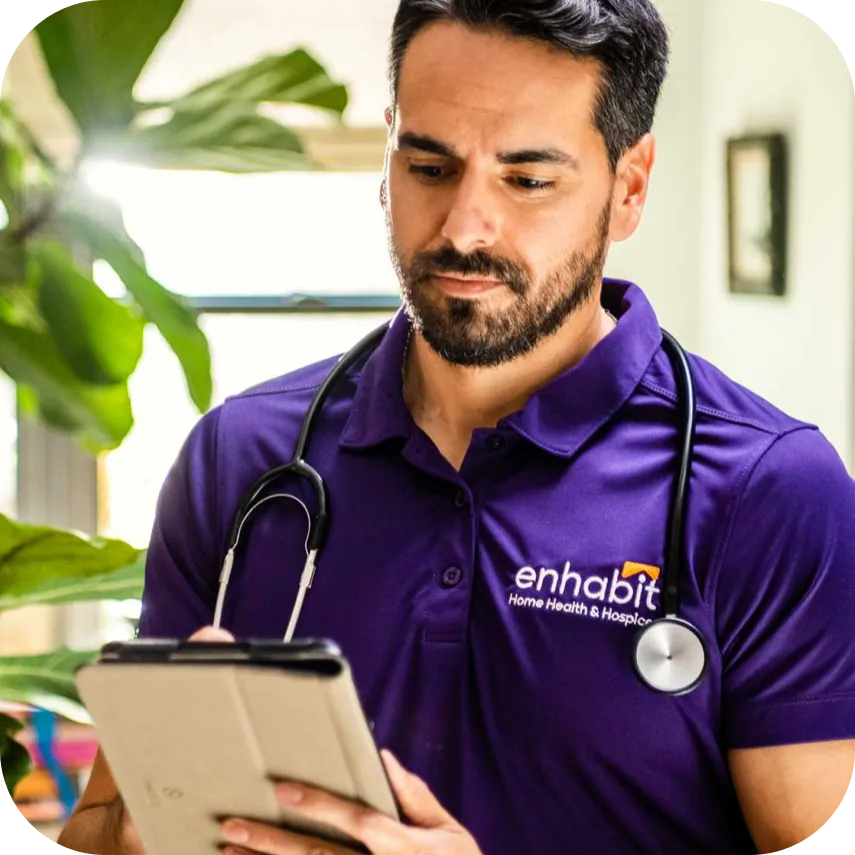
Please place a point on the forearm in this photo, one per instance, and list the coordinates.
(102, 830)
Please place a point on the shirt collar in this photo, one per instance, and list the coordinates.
(560, 417)
(378, 412)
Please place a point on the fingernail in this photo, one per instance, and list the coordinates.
(289, 794)
(235, 832)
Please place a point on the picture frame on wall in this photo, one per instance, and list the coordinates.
(757, 214)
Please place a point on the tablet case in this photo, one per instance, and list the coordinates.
(192, 744)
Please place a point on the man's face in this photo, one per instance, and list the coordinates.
(499, 191)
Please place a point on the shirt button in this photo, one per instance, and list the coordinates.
(461, 500)
(451, 577)
(496, 442)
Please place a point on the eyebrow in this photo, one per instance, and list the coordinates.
(511, 158)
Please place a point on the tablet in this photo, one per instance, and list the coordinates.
(196, 732)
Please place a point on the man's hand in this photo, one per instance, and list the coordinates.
(100, 822)
(434, 830)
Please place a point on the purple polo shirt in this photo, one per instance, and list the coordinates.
(489, 615)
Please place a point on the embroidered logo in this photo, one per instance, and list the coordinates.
(602, 597)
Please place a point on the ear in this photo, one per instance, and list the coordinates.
(632, 181)
(389, 115)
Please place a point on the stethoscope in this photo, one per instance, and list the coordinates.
(670, 655)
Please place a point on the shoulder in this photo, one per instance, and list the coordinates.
(736, 427)
(278, 405)
(761, 477)
(295, 385)
(256, 429)
(721, 399)
(792, 521)
(786, 458)
(799, 480)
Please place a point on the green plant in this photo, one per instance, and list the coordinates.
(68, 346)
(44, 566)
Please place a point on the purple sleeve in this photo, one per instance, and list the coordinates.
(183, 561)
(785, 599)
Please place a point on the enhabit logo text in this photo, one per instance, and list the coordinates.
(599, 597)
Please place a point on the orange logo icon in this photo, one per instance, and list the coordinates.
(631, 568)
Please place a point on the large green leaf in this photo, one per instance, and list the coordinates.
(9, 727)
(167, 311)
(79, 204)
(294, 78)
(26, 173)
(18, 305)
(102, 415)
(233, 138)
(95, 52)
(14, 758)
(13, 258)
(11, 176)
(100, 339)
(123, 584)
(32, 555)
(16, 762)
(19, 294)
(18, 136)
(46, 682)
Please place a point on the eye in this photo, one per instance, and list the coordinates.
(533, 185)
(432, 173)
(529, 186)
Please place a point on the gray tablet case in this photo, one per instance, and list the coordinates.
(189, 745)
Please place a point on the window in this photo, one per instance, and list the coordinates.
(211, 234)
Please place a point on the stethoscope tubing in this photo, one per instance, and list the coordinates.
(665, 627)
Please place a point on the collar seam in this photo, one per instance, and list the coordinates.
(284, 390)
(711, 411)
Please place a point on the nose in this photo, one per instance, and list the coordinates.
(474, 221)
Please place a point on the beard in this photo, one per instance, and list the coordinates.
(465, 332)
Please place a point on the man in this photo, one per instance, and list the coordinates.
(502, 465)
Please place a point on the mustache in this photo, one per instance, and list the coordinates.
(448, 261)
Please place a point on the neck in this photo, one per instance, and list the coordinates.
(450, 401)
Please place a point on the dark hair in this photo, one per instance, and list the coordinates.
(627, 38)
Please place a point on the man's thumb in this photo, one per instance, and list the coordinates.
(209, 633)
(419, 804)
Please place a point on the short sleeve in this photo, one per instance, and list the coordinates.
(182, 566)
(785, 599)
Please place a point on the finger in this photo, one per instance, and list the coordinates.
(414, 796)
(237, 850)
(254, 838)
(306, 846)
(378, 832)
(209, 633)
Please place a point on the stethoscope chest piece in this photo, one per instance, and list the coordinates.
(670, 656)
